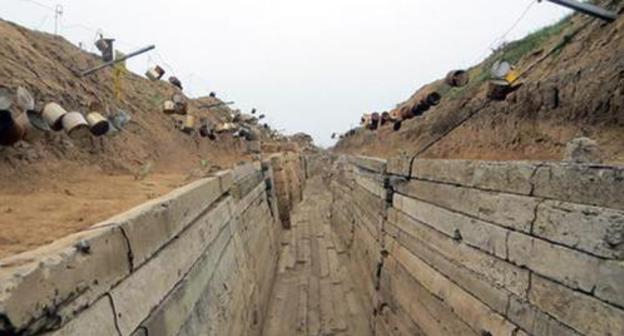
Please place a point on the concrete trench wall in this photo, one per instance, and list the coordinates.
(483, 248)
(198, 261)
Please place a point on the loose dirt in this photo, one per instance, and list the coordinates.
(56, 186)
(577, 91)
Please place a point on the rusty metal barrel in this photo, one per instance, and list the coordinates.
(375, 120)
(385, 118)
(457, 78)
(433, 98)
(406, 113)
(155, 73)
(10, 131)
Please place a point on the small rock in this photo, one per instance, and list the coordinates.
(583, 150)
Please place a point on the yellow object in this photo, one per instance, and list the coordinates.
(512, 76)
(119, 70)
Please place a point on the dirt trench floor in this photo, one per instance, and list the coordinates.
(314, 293)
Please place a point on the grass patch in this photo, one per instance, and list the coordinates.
(514, 51)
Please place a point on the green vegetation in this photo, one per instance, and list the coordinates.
(515, 50)
(512, 52)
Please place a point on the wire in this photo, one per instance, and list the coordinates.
(43, 22)
(98, 31)
(39, 4)
(164, 63)
(507, 32)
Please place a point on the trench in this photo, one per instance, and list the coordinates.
(341, 245)
(314, 292)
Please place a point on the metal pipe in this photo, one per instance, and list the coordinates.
(119, 60)
(210, 106)
(588, 9)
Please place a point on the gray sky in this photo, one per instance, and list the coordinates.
(312, 66)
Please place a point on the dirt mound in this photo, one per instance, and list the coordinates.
(56, 185)
(574, 86)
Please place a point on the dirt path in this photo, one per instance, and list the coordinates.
(313, 293)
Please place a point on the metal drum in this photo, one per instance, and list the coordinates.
(457, 78)
(10, 131)
(53, 114)
(75, 125)
(98, 125)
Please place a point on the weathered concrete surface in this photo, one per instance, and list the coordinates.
(369, 163)
(511, 211)
(594, 230)
(518, 248)
(514, 177)
(580, 271)
(483, 235)
(460, 248)
(133, 303)
(597, 185)
(144, 271)
(151, 225)
(33, 282)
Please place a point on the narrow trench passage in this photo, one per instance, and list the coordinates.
(314, 293)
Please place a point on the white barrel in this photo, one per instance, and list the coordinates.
(169, 107)
(53, 114)
(75, 125)
(97, 124)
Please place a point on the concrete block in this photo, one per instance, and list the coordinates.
(170, 315)
(512, 211)
(97, 320)
(245, 184)
(583, 313)
(402, 292)
(212, 314)
(474, 312)
(599, 231)
(226, 179)
(476, 233)
(369, 163)
(241, 172)
(42, 286)
(570, 267)
(597, 185)
(161, 273)
(490, 268)
(248, 199)
(400, 165)
(374, 187)
(535, 321)
(151, 225)
(511, 177)
(495, 297)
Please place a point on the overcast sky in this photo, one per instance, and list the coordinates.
(311, 66)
